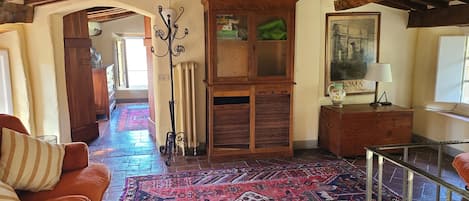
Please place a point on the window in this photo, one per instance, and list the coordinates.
(6, 105)
(465, 91)
(452, 82)
(132, 59)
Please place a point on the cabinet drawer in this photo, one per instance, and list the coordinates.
(233, 91)
(273, 90)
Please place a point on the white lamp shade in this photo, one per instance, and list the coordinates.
(379, 72)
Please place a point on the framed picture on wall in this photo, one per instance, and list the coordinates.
(352, 42)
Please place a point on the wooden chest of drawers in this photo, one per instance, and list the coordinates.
(347, 131)
(104, 94)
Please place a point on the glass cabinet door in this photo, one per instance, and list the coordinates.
(232, 59)
(271, 46)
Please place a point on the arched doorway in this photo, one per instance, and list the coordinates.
(52, 16)
(83, 101)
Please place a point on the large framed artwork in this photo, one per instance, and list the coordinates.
(352, 42)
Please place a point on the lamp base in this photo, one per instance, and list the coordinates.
(386, 103)
(375, 104)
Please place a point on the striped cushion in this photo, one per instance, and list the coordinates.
(7, 193)
(29, 164)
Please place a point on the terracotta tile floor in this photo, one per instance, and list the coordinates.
(131, 153)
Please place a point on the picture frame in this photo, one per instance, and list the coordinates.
(352, 42)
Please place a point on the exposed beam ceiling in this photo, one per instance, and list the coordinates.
(409, 5)
(423, 13)
(348, 4)
(14, 1)
(22, 11)
(104, 14)
(11, 12)
(434, 3)
(39, 2)
(393, 5)
(451, 16)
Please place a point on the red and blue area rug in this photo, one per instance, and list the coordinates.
(133, 117)
(326, 180)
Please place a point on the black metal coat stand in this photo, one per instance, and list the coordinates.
(170, 144)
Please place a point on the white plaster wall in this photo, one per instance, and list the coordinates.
(430, 124)
(194, 43)
(13, 41)
(307, 74)
(45, 45)
(397, 47)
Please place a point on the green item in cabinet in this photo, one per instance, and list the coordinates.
(273, 30)
(227, 34)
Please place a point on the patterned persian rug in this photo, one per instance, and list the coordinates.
(133, 117)
(329, 180)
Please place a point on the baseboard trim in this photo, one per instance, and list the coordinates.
(297, 145)
(305, 144)
(152, 130)
(132, 100)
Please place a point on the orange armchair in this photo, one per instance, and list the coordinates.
(461, 164)
(80, 180)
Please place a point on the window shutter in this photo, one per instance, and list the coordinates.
(450, 69)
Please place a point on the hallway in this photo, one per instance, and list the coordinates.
(127, 153)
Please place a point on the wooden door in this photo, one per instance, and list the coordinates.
(151, 100)
(79, 77)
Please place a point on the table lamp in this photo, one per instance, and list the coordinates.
(378, 72)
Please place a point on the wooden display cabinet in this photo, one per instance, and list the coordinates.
(249, 57)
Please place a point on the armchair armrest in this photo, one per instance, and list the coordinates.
(71, 198)
(12, 122)
(461, 164)
(76, 156)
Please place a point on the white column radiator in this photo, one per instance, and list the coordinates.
(184, 81)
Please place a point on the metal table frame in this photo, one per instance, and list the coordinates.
(409, 170)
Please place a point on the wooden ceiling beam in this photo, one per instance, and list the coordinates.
(410, 5)
(451, 16)
(14, 1)
(110, 11)
(393, 5)
(39, 2)
(109, 17)
(348, 4)
(434, 3)
(15, 13)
